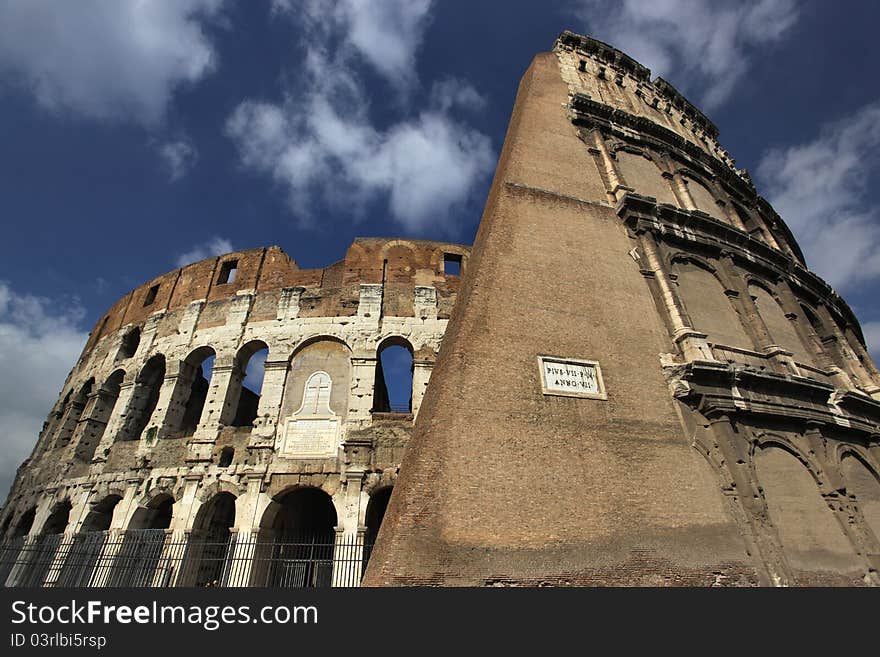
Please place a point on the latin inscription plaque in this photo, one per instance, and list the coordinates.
(311, 437)
(570, 377)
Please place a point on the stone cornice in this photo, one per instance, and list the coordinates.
(644, 214)
(719, 389)
(590, 113)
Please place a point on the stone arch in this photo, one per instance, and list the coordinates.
(96, 423)
(324, 353)
(136, 563)
(377, 505)
(144, 398)
(85, 552)
(153, 513)
(25, 522)
(190, 392)
(862, 484)
(208, 546)
(708, 306)
(781, 327)
(73, 414)
(393, 386)
(815, 546)
(58, 519)
(702, 194)
(246, 386)
(301, 524)
(219, 486)
(639, 171)
(129, 344)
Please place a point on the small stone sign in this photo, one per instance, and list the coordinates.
(571, 377)
(311, 437)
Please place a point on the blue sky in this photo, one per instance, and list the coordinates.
(138, 136)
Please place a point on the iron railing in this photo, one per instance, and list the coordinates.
(161, 558)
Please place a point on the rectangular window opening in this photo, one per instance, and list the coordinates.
(227, 272)
(151, 295)
(452, 264)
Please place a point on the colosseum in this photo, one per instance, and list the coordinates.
(640, 383)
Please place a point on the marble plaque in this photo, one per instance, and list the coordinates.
(570, 377)
(311, 437)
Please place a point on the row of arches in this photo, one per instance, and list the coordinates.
(815, 538)
(295, 544)
(640, 170)
(89, 411)
(758, 316)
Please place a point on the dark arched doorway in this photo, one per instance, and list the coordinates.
(84, 559)
(301, 526)
(40, 552)
(142, 546)
(208, 543)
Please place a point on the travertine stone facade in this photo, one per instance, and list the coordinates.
(137, 422)
(739, 442)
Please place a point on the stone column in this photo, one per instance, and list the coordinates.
(115, 424)
(220, 406)
(615, 184)
(269, 409)
(421, 375)
(780, 358)
(692, 343)
(745, 491)
(363, 379)
(171, 406)
(248, 549)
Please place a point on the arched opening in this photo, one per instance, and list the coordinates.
(251, 367)
(14, 550)
(144, 398)
(40, 554)
(193, 382)
(863, 484)
(301, 527)
(25, 522)
(226, 456)
(209, 542)
(703, 199)
(814, 544)
(84, 559)
(708, 307)
(645, 177)
(96, 424)
(73, 414)
(782, 329)
(137, 562)
(130, 343)
(57, 521)
(376, 508)
(392, 392)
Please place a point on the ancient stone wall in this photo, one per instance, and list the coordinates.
(731, 394)
(159, 408)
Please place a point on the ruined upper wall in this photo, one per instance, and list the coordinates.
(329, 291)
(610, 89)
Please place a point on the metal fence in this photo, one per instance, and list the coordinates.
(159, 557)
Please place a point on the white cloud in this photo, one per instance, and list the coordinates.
(700, 46)
(321, 147)
(872, 338)
(822, 189)
(179, 157)
(213, 247)
(106, 60)
(452, 92)
(40, 341)
(386, 33)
